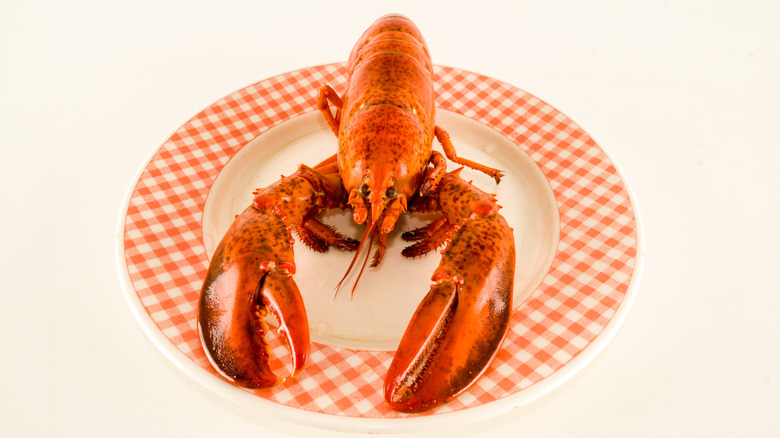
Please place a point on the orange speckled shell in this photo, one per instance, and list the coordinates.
(458, 327)
(387, 123)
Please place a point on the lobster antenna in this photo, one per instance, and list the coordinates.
(369, 232)
(365, 262)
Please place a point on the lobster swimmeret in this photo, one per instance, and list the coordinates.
(384, 167)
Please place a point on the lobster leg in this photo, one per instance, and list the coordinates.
(428, 238)
(319, 236)
(434, 173)
(250, 275)
(327, 94)
(459, 326)
(449, 151)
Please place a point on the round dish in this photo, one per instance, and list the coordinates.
(577, 232)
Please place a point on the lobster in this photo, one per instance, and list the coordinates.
(385, 166)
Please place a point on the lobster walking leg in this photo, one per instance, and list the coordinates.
(327, 94)
(449, 151)
(435, 173)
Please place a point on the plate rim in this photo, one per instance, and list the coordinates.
(494, 408)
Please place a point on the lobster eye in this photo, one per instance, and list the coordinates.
(391, 192)
(364, 191)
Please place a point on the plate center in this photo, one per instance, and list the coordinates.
(375, 317)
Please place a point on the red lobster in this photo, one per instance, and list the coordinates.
(384, 167)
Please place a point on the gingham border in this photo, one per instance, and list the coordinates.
(586, 285)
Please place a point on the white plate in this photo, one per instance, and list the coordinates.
(376, 316)
(576, 228)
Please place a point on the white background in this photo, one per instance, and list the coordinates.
(684, 95)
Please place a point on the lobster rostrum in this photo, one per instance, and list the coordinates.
(385, 166)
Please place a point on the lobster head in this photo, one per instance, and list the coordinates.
(378, 200)
(383, 156)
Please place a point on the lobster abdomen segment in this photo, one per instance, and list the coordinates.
(391, 75)
(394, 27)
(390, 64)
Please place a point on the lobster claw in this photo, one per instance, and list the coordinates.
(248, 278)
(459, 326)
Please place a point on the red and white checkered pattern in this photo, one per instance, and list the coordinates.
(584, 288)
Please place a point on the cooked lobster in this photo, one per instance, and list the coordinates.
(385, 166)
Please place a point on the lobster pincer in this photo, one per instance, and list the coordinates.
(251, 272)
(460, 324)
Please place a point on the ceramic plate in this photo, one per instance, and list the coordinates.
(577, 233)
